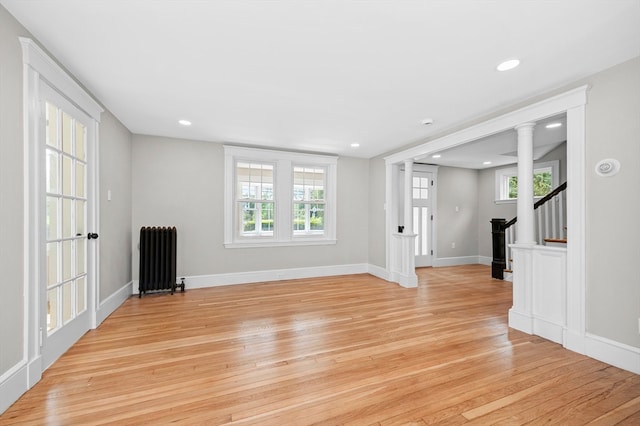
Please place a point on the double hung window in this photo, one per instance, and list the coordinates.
(308, 200)
(545, 180)
(254, 198)
(277, 198)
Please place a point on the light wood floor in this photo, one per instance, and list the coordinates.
(332, 351)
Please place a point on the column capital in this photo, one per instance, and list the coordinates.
(530, 125)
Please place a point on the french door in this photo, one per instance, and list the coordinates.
(423, 217)
(67, 271)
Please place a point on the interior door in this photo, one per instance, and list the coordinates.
(67, 280)
(423, 217)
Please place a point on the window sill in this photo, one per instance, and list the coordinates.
(301, 242)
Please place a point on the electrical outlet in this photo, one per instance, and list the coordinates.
(453, 245)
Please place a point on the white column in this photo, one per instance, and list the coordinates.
(408, 196)
(521, 313)
(525, 224)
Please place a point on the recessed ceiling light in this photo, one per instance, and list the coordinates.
(355, 145)
(436, 156)
(184, 122)
(508, 65)
(486, 163)
(553, 125)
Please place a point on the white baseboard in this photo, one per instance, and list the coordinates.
(485, 260)
(378, 271)
(460, 260)
(111, 303)
(215, 280)
(600, 348)
(520, 321)
(549, 330)
(612, 352)
(17, 380)
(12, 385)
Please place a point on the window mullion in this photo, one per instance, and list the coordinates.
(284, 206)
(307, 217)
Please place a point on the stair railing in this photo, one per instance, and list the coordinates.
(549, 222)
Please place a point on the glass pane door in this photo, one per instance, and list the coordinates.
(422, 217)
(66, 217)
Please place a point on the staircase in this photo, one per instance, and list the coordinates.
(550, 218)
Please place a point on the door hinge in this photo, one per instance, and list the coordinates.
(431, 217)
(432, 183)
(431, 252)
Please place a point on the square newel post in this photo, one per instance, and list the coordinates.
(406, 239)
(499, 261)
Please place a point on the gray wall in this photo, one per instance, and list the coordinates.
(613, 205)
(115, 215)
(180, 183)
(377, 219)
(11, 192)
(488, 209)
(457, 188)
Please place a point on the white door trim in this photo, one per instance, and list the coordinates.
(39, 67)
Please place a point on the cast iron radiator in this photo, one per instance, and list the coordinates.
(158, 259)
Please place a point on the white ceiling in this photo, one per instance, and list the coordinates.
(321, 75)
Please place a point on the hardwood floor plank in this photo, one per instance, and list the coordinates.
(346, 350)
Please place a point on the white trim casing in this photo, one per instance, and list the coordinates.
(577, 229)
(57, 77)
(284, 162)
(512, 171)
(37, 67)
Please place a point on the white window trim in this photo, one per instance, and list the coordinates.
(513, 171)
(283, 186)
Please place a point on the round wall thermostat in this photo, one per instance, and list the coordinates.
(607, 168)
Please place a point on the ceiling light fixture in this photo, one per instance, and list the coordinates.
(355, 145)
(436, 156)
(184, 122)
(508, 65)
(486, 163)
(553, 125)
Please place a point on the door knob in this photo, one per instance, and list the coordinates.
(92, 236)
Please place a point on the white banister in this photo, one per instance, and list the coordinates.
(554, 222)
(561, 216)
(538, 224)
